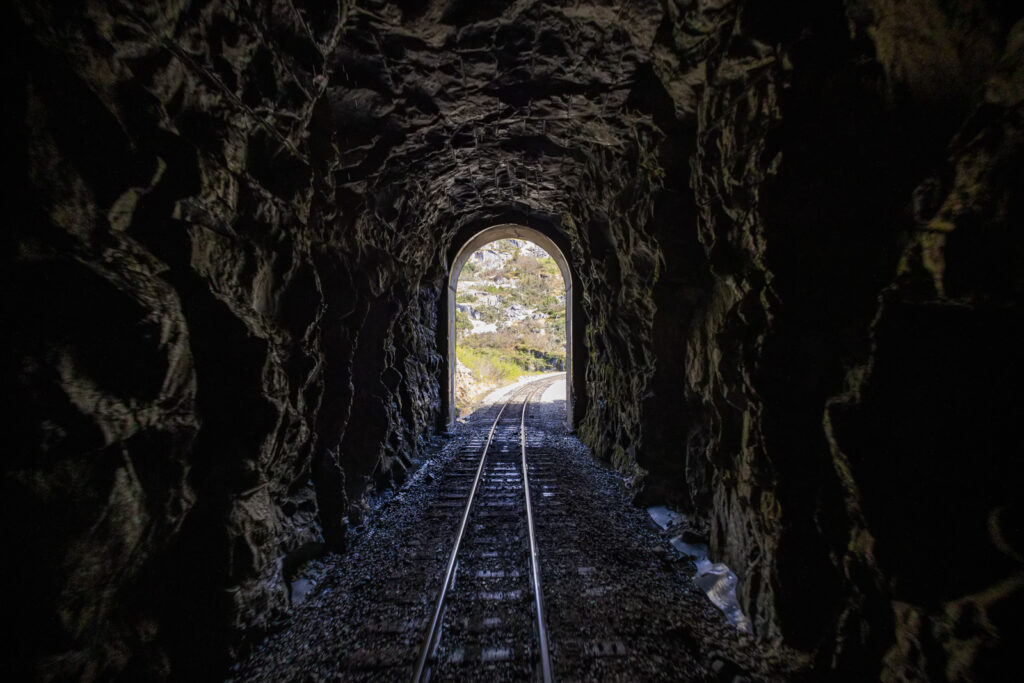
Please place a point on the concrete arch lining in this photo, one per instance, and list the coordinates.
(493, 234)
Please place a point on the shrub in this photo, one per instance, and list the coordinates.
(462, 323)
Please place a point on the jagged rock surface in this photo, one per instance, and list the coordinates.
(795, 238)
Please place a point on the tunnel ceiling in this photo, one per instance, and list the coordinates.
(446, 111)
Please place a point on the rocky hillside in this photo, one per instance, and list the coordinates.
(510, 317)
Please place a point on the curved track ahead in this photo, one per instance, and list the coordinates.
(617, 603)
(491, 583)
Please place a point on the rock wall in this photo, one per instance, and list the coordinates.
(923, 423)
(798, 281)
(849, 347)
(207, 378)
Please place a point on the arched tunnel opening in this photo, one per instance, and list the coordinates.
(458, 262)
(791, 248)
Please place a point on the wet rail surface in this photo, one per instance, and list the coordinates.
(618, 605)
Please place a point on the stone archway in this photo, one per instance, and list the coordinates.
(486, 236)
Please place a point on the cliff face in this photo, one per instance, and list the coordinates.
(799, 271)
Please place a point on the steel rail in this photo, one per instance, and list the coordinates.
(433, 632)
(538, 601)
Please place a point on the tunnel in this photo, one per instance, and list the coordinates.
(791, 241)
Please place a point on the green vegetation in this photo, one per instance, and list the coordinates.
(498, 366)
(490, 314)
(518, 346)
(513, 317)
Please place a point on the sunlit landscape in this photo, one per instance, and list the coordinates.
(510, 317)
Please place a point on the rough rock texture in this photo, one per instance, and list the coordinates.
(225, 280)
(849, 359)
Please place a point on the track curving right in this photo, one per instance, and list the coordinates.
(618, 607)
(488, 616)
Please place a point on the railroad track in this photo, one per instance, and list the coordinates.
(615, 605)
(488, 618)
